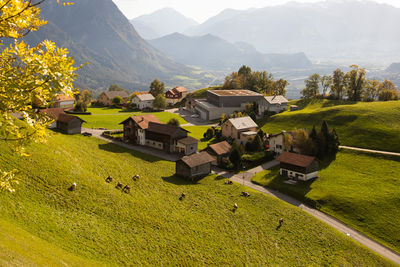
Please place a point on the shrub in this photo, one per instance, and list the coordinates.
(173, 122)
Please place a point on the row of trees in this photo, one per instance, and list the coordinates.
(324, 143)
(262, 82)
(352, 85)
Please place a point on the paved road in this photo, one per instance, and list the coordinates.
(142, 149)
(371, 151)
(245, 179)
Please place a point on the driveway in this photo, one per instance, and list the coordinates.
(191, 121)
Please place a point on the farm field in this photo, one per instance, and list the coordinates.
(151, 226)
(112, 121)
(373, 125)
(362, 190)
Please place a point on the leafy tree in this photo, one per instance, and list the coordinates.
(160, 102)
(115, 87)
(279, 87)
(388, 91)
(355, 83)
(157, 88)
(210, 133)
(28, 74)
(84, 99)
(173, 122)
(312, 87)
(236, 158)
(303, 142)
(371, 91)
(326, 83)
(117, 100)
(258, 144)
(338, 84)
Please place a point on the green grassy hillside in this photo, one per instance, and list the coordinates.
(151, 226)
(359, 189)
(374, 125)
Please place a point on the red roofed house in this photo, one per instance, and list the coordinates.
(195, 166)
(135, 127)
(175, 95)
(298, 167)
(63, 101)
(69, 124)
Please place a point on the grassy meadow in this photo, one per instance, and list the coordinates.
(112, 121)
(362, 190)
(150, 226)
(373, 125)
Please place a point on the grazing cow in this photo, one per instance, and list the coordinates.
(183, 195)
(136, 177)
(72, 187)
(245, 194)
(119, 185)
(109, 179)
(127, 189)
(228, 182)
(280, 221)
(235, 206)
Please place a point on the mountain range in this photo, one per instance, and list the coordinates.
(162, 22)
(98, 33)
(345, 32)
(212, 52)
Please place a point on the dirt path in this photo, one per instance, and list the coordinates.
(371, 151)
(245, 179)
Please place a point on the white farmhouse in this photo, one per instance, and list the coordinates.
(275, 104)
(298, 167)
(143, 101)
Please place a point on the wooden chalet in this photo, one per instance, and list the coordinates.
(195, 166)
(69, 124)
(135, 128)
(219, 151)
(298, 167)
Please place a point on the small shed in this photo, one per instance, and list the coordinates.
(187, 145)
(195, 166)
(69, 124)
(219, 151)
(298, 167)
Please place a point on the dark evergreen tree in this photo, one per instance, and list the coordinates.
(236, 158)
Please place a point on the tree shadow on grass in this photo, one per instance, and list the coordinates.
(113, 148)
(177, 180)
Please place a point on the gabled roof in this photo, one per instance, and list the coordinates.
(197, 159)
(112, 94)
(235, 92)
(243, 123)
(142, 120)
(145, 97)
(164, 129)
(295, 159)
(66, 118)
(277, 99)
(188, 140)
(221, 148)
(63, 97)
(53, 113)
(180, 89)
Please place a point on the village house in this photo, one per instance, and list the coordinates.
(143, 101)
(170, 139)
(274, 104)
(219, 151)
(63, 101)
(53, 113)
(278, 143)
(298, 167)
(175, 95)
(69, 124)
(195, 166)
(224, 102)
(135, 127)
(242, 129)
(107, 97)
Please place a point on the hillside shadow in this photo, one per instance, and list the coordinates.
(332, 103)
(176, 180)
(113, 148)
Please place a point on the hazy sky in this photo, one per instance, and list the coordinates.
(201, 10)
